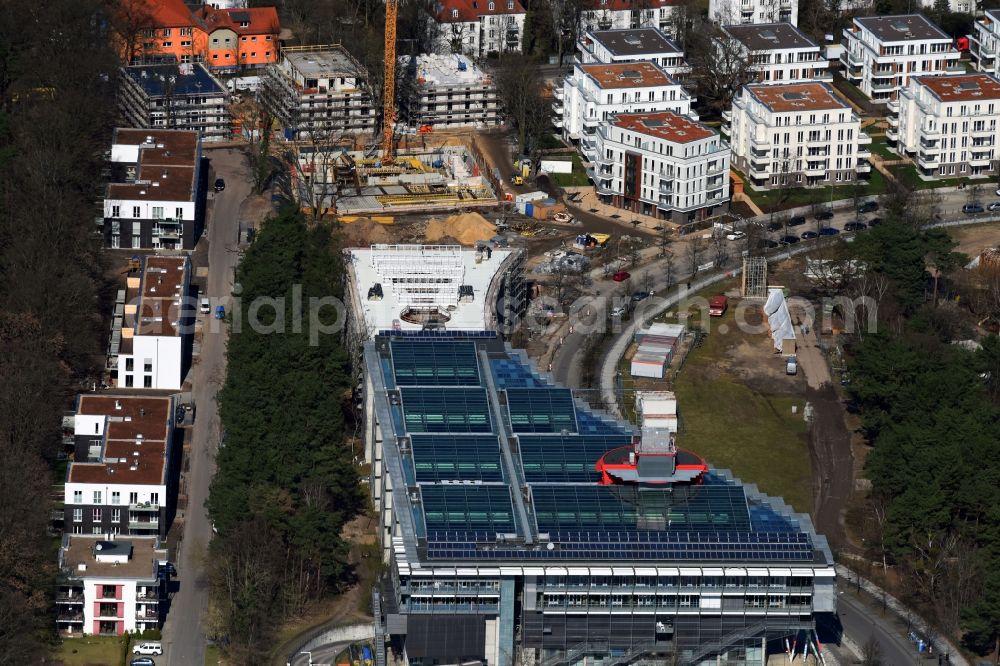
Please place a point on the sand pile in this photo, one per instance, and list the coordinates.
(365, 231)
(466, 228)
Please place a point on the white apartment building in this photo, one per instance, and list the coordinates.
(451, 91)
(153, 199)
(948, 125)
(596, 93)
(599, 15)
(318, 89)
(478, 28)
(881, 53)
(736, 12)
(661, 164)
(802, 133)
(108, 587)
(984, 42)
(779, 52)
(117, 483)
(632, 45)
(149, 336)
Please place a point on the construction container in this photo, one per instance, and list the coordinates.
(529, 209)
(661, 329)
(648, 365)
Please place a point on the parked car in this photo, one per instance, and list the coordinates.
(829, 231)
(640, 296)
(797, 221)
(775, 226)
(791, 366)
(973, 209)
(147, 648)
(736, 235)
(875, 221)
(621, 276)
(994, 206)
(142, 661)
(824, 215)
(219, 185)
(220, 312)
(790, 239)
(868, 207)
(807, 235)
(771, 244)
(855, 226)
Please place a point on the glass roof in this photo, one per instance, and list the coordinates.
(446, 410)
(456, 458)
(541, 410)
(468, 511)
(434, 363)
(565, 458)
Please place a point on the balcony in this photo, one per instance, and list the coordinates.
(592, 123)
(854, 60)
(930, 132)
(980, 160)
(893, 106)
(727, 116)
(666, 187)
(863, 167)
(720, 167)
(70, 616)
(883, 87)
(724, 129)
(928, 161)
(760, 144)
(557, 92)
(985, 132)
(147, 615)
(893, 121)
(821, 74)
(929, 148)
(557, 107)
(153, 525)
(757, 171)
(144, 507)
(864, 153)
(815, 170)
(557, 122)
(66, 598)
(955, 68)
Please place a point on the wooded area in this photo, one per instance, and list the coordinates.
(931, 411)
(56, 77)
(286, 482)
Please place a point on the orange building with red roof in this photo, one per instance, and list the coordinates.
(168, 31)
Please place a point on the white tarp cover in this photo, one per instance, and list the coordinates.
(778, 318)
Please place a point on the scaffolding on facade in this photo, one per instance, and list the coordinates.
(755, 277)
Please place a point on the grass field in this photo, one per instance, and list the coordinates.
(90, 651)
(213, 655)
(770, 200)
(881, 147)
(576, 179)
(907, 175)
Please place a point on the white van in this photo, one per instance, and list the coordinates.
(205, 306)
(791, 366)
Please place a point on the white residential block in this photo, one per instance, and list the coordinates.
(734, 12)
(984, 42)
(633, 45)
(780, 52)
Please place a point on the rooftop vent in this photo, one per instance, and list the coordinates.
(769, 35)
(652, 122)
(631, 74)
(968, 85)
(793, 96)
(633, 40)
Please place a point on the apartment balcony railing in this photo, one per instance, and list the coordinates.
(557, 107)
(864, 153)
(147, 616)
(984, 132)
(892, 134)
(893, 106)
(725, 129)
(863, 167)
(925, 160)
(930, 148)
(954, 67)
(980, 159)
(557, 92)
(65, 598)
(854, 60)
(883, 87)
(727, 116)
(930, 132)
(70, 617)
(143, 524)
(893, 121)
(760, 144)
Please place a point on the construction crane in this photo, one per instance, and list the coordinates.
(389, 86)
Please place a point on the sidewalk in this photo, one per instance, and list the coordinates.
(589, 202)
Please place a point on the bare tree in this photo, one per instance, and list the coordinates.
(693, 254)
(568, 24)
(720, 250)
(313, 164)
(519, 90)
(255, 124)
(669, 276)
(132, 24)
(871, 653)
(663, 240)
(720, 66)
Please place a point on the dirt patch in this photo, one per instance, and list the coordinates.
(365, 231)
(974, 239)
(832, 465)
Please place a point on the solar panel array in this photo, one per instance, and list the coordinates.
(456, 458)
(466, 502)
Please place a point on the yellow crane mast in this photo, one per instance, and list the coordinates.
(389, 86)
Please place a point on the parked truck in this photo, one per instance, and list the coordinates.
(717, 305)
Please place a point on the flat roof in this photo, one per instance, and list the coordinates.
(167, 165)
(378, 265)
(634, 41)
(770, 36)
(432, 69)
(466, 420)
(962, 87)
(161, 288)
(320, 61)
(664, 125)
(80, 549)
(811, 96)
(902, 27)
(129, 420)
(183, 79)
(612, 76)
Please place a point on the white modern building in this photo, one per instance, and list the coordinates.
(632, 45)
(150, 335)
(154, 199)
(595, 93)
(451, 91)
(623, 15)
(734, 12)
(478, 28)
(779, 52)
(799, 134)
(318, 90)
(948, 125)
(881, 53)
(661, 164)
(984, 42)
(108, 587)
(117, 482)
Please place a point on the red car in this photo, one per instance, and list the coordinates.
(621, 276)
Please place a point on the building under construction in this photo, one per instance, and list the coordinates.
(318, 90)
(349, 182)
(450, 91)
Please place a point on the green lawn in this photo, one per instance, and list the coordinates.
(90, 651)
(880, 146)
(576, 179)
(851, 91)
(907, 175)
(770, 200)
(213, 655)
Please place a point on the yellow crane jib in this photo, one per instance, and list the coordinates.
(389, 86)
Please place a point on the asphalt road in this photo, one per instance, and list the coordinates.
(184, 635)
(321, 656)
(862, 623)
